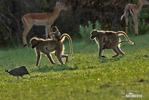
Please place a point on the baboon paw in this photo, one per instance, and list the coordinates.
(102, 57)
(53, 63)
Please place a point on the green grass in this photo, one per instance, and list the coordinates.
(86, 77)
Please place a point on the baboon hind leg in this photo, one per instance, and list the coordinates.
(118, 51)
(59, 56)
(65, 56)
(38, 58)
(50, 58)
(100, 51)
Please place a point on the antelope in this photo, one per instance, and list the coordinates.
(134, 10)
(46, 19)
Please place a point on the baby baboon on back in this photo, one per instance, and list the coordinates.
(55, 34)
(109, 40)
(48, 46)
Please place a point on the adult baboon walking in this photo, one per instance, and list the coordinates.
(48, 46)
(109, 40)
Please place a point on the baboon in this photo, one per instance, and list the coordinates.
(55, 34)
(48, 46)
(109, 40)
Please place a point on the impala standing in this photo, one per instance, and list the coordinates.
(45, 19)
(134, 10)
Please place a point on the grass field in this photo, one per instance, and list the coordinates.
(86, 77)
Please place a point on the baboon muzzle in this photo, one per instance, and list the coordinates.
(33, 46)
(92, 37)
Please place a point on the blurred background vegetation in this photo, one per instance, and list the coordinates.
(78, 21)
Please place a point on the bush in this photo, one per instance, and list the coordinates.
(84, 31)
(143, 27)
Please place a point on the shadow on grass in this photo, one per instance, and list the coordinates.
(55, 68)
(105, 60)
(142, 56)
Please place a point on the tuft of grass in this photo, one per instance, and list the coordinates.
(84, 31)
(86, 77)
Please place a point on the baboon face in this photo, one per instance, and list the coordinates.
(34, 43)
(57, 33)
(54, 29)
(94, 33)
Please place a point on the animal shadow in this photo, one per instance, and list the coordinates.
(55, 68)
(105, 60)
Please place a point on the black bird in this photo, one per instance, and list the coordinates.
(20, 71)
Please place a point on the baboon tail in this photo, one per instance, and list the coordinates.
(123, 15)
(70, 41)
(126, 36)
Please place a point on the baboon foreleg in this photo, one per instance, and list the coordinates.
(50, 58)
(38, 58)
(100, 51)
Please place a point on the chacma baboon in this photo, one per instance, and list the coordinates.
(109, 40)
(48, 46)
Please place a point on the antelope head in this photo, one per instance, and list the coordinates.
(61, 5)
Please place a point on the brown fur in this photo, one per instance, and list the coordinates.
(48, 46)
(109, 40)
